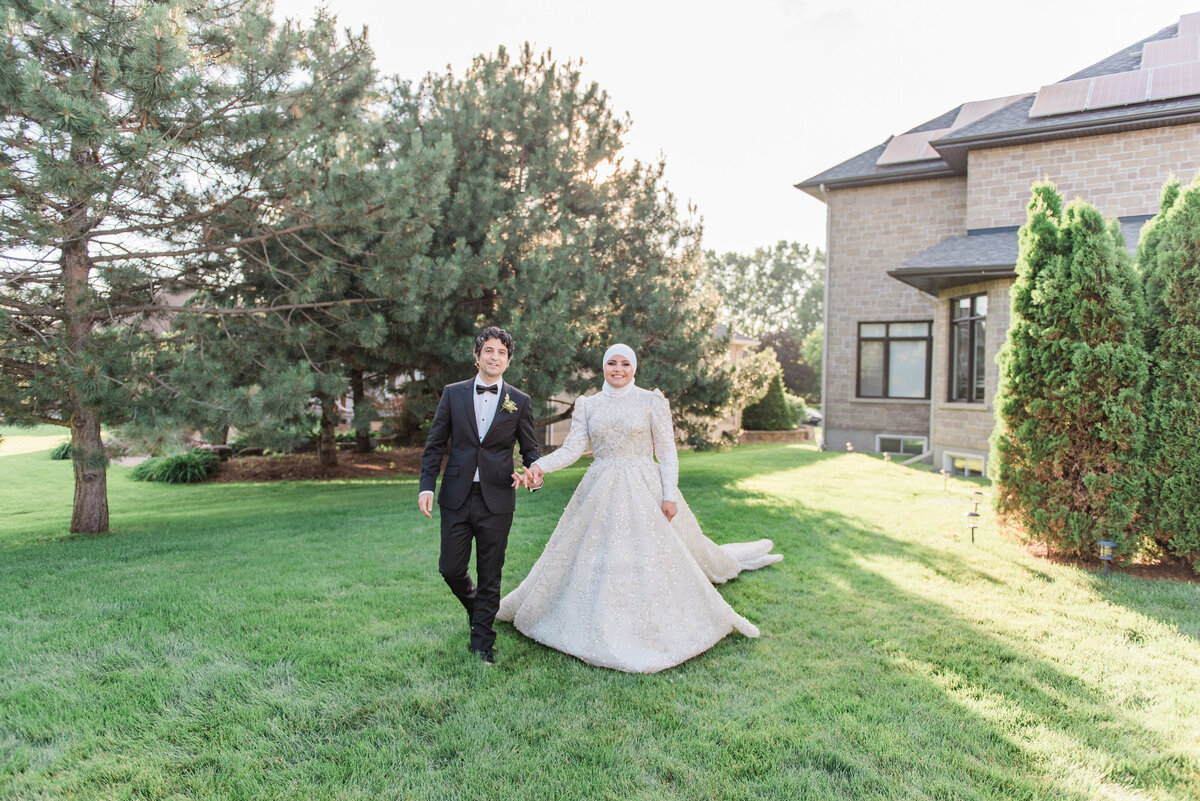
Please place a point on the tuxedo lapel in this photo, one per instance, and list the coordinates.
(467, 407)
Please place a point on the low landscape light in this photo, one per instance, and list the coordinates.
(1106, 553)
(972, 524)
(887, 458)
(849, 447)
(945, 477)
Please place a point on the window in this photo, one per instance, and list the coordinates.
(893, 360)
(900, 444)
(963, 464)
(968, 347)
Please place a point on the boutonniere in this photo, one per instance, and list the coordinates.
(508, 404)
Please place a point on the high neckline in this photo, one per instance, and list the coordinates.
(618, 392)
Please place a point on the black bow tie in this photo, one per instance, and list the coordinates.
(494, 389)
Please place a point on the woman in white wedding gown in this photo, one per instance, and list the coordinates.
(626, 579)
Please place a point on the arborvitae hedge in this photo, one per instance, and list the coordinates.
(1068, 443)
(1170, 265)
(772, 413)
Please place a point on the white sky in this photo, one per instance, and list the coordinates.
(745, 99)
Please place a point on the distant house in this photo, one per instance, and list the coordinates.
(923, 237)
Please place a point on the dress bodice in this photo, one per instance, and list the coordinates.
(629, 428)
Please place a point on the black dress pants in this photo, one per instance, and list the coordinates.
(473, 522)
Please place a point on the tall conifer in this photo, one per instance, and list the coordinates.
(1170, 265)
(140, 152)
(1068, 444)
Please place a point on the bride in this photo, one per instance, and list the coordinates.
(626, 579)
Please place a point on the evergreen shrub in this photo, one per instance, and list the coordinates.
(61, 451)
(185, 468)
(772, 413)
(1169, 260)
(1069, 439)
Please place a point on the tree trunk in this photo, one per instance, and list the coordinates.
(327, 442)
(362, 434)
(89, 514)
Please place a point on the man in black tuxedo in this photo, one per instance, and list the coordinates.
(480, 419)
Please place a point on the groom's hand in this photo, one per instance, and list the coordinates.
(425, 503)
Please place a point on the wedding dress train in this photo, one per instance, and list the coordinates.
(617, 584)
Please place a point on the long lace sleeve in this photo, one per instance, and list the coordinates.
(574, 446)
(663, 432)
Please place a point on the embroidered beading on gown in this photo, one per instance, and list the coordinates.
(617, 584)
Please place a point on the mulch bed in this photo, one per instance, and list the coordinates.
(304, 467)
(1165, 569)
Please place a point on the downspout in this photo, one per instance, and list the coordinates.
(935, 300)
(825, 313)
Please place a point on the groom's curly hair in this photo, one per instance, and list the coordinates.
(492, 332)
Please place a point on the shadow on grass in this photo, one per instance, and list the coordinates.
(891, 693)
(299, 637)
(928, 664)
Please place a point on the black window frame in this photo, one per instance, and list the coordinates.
(970, 323)
(886, 339)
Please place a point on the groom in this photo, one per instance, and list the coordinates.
(480, 419)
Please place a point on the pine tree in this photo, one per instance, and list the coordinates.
(1067, 447)
(549, 232)
(1170, 263)
(141, 155)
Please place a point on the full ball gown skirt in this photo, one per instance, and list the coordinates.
(618, 585)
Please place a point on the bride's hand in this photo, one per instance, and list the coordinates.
(670, 510)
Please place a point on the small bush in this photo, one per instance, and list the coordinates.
(771, 413)
(185, 468)
(61, 451)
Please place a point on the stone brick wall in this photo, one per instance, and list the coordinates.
(1121, 173)
(873, 230)
(957, 426)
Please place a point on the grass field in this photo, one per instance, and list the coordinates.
(295, 641)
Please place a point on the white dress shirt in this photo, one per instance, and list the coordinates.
(485, 408)
(485, 412)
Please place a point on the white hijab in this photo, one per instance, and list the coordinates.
(627, 352)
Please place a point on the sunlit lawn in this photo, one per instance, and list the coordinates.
(296, 641)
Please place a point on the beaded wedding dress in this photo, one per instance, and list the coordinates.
(617, 584)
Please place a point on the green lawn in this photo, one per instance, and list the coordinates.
(296, 641)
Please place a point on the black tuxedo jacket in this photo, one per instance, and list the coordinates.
(454, 425)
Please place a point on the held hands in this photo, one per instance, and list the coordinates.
(531, 480)
(670, 509)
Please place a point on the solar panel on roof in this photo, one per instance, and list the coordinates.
(1062, 97)
(1180, 80)
(910, 147)
(1165, 52)
(1119, 89)
(978, 109)
(1189, 24)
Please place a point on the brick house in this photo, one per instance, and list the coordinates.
(922, 237)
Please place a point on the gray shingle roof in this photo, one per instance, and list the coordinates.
(979, 257)
(863, 169)
(1012, 124)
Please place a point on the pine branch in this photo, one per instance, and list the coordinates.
(211, 249)
(208, 310)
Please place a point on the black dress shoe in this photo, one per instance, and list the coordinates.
(487, 657)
